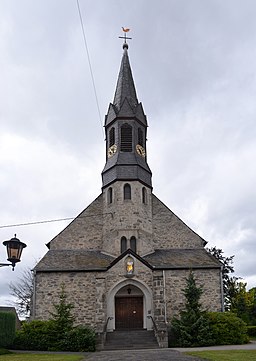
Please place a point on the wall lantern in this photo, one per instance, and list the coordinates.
(14, 249)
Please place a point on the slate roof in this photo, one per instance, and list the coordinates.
(74, 260)
(181, 259)
(82, 260)
(125, 103)
(125, 88)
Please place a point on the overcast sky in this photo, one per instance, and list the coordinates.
(194, 68)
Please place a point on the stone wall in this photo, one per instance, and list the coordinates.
(127, 217)
(175, 281)
(171, 232)
(81, 289)
(85, 231)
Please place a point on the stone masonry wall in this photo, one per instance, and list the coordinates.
(127, 218)
(85, 232)
(175, 281)
(82, 290)
(117, 273)
(169, 231)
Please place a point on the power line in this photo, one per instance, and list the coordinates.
(90, 66)
(52, 220)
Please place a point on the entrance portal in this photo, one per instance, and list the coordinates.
(129, 308)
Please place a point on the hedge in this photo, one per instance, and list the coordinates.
(7, 328)
(227, 328)
(41, 336)
(251, 330)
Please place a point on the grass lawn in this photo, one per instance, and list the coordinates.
(232, 355)
(40, 357)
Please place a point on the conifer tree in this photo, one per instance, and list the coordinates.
(192, 327)
(62, 319)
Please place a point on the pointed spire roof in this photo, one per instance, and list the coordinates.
(125, 88)
(125, 103)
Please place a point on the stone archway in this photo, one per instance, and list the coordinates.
(129, 302)
(118, 290)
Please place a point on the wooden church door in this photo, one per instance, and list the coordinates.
(129, 312)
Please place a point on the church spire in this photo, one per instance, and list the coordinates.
(126, 132)
(125, 88)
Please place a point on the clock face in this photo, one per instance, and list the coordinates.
(112, 150)
(140, 150)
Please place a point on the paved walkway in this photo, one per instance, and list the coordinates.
(173, 354)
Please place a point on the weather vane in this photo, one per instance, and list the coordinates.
(125, 37)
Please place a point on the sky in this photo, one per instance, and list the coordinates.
(193, 64)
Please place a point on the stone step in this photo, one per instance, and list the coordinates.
(126, 339)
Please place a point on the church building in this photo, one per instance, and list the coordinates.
(125, 258)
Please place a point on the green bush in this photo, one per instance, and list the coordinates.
(7, 328)
(3, 351)
(57, 334)
(227, 328)
(251, 330)
(192, 327)
(41, 336)
(80, 338)
(34, 335)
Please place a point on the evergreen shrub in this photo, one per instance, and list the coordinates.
(3, 351)
(34, 335)
(80, 338)
(227, 328)
(251, 331)
(192, 327)
(57, 334)
(7, 328)
(41, 336)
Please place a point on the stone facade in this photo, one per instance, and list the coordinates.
(124, 260)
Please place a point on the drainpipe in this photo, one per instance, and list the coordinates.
(221, 290)
(33, 313)
(165, 309)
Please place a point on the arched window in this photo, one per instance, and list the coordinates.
(127, 191)
(123, 244)
(133, 244)
(126, 138)
(144, 195)
(110, 195)
(140, 137)
(111, 137)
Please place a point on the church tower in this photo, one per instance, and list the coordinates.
(125, 258)
(126, 177)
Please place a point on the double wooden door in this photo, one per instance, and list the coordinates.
(129, 312)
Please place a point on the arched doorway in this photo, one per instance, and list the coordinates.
(143, 291)
(129, 308)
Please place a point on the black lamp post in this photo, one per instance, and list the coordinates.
(14, 249)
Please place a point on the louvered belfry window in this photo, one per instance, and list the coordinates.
(140, 137)
(111, 137)
(126, 138)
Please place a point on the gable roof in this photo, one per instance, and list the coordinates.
(182, 259)
(88, 261)
(135, 255)
(74, 260)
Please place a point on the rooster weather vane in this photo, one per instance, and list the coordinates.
(125, 37)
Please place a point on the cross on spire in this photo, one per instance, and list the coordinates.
(125, 37)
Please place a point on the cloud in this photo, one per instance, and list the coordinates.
(193, 66)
